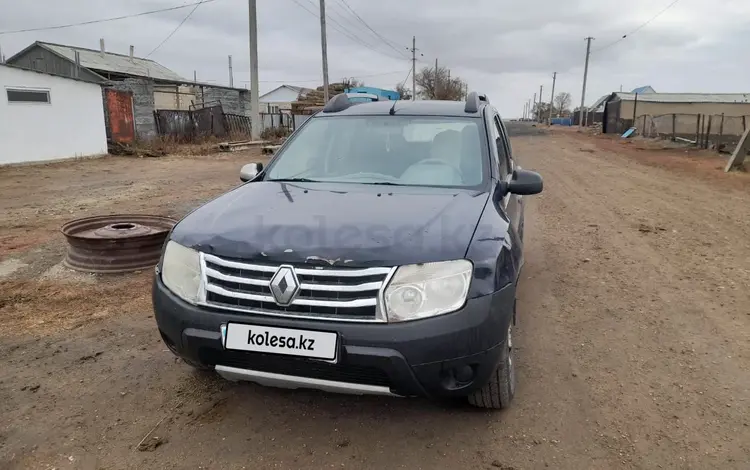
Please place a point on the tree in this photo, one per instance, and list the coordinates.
(562, 102)
(403, 91)
(540, 111)
(440, 85)
(352, 83)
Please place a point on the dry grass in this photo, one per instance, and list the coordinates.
(42, 307)
(274, 133)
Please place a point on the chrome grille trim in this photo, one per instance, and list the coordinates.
(326, 293)
(242, 280)
(352, 272)
(341, 287)
(298, 301)
(304, 285)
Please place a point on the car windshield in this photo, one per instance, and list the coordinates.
(398, 150)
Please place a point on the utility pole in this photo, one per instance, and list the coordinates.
(534, 106)
(525, 105)
(581, 122)
(413, 67)
(324, 46)
(437, 81)
(231, 75)
(255, 123)
(540, 116)
(448, 83)
(552, 99)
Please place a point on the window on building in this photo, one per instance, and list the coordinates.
(22, 95)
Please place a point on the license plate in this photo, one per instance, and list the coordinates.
(289, 341)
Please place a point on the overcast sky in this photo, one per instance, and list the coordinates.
(506, 48)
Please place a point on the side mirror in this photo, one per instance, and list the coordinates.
(525, 182)
(250, 171)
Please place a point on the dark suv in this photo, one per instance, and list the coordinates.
(377, 253)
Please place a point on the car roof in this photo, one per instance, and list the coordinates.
(407, 108)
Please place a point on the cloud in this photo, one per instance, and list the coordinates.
(504, 48)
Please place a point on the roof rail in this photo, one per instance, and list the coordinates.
(472, 102)
(338, 103)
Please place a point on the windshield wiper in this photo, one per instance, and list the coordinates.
(381, 183)
(297, 180)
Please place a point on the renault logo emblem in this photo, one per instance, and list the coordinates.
(284, 285)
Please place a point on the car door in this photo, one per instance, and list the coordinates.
(512, 204)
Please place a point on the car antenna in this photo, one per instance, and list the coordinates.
(393, 108)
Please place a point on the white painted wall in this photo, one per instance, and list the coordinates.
(281, 97)
(71, 125)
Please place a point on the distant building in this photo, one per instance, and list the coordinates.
(280, 99)
(643, 89)
(596, 110)
(48, 117)
(152, 85)
(621, 108)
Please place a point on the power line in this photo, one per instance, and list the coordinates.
(317, 15)
(408, 74)
(175, 30)
(643, 25)
(352, 35)
(342, 15)
(317, 80)
(342, 30)
(103, 20)
(386, 41)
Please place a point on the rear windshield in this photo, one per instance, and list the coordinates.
(401, 150)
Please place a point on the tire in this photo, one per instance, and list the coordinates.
(498, 392)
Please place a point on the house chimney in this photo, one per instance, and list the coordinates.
(78, 64)
(132, 48)
(101, 46)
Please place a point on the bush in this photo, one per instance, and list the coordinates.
(274, 133)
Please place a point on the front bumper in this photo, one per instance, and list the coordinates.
(426, 357)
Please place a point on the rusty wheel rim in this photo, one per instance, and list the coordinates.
(115, 243)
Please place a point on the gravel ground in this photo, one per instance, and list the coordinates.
(634, 325)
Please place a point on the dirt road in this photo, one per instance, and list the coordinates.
(634, 311)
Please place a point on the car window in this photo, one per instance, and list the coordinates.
(401, 150)
(426, 131)
(310, 150)
(504, 163)
(507, 142)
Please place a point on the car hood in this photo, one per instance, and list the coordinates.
(335, 224)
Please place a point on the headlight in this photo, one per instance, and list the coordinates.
(426, 290)
(181, 271)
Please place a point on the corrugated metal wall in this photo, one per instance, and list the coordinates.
(38, 58)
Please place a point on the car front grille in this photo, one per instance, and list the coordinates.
(325, 292)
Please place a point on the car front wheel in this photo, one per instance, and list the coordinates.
(498, 392)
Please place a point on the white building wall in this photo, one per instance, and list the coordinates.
(281, 98)
(70, 125)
